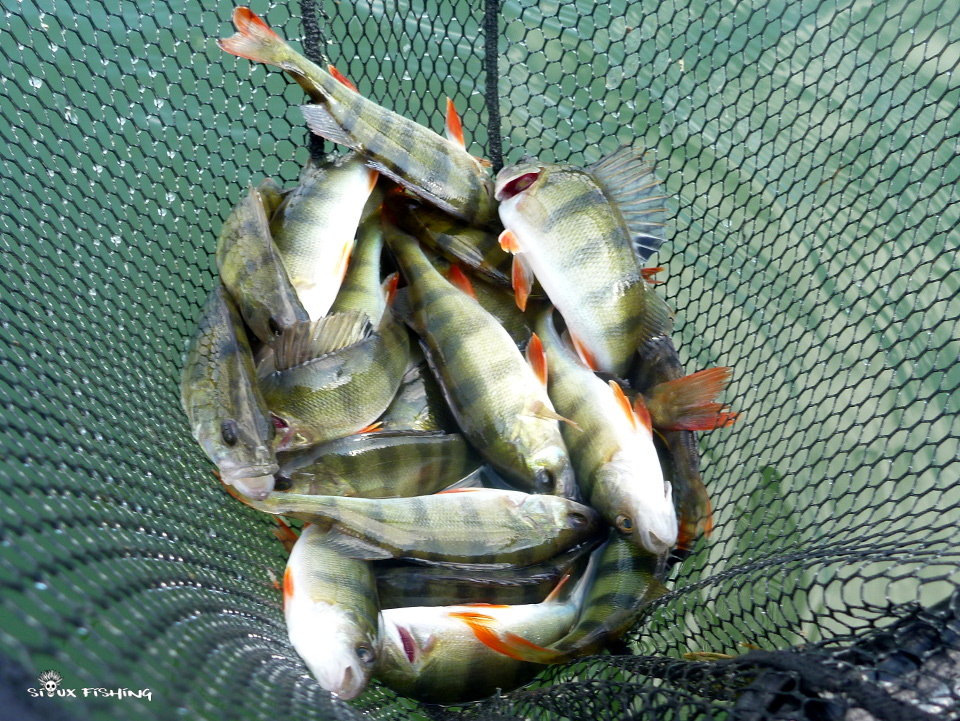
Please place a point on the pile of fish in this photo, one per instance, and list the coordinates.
(486, 429)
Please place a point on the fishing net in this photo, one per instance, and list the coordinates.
(812, 149)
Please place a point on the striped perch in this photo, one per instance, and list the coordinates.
(497, 399)
(330, 605)
(437, 169)
(471, 525)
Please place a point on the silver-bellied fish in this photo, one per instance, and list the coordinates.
(496, 398)
(466, 526)
(614, 456)
(330, 605)
(331, 378)
(623, 583)
(436, 653)
(315, 225)
(584, 233)
(658, 374)
(219, 392)
(252, 270)
(435, 168)
(401, 583)
(383, 464)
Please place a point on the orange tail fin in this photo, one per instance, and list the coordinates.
(254, 39)
(686, 404)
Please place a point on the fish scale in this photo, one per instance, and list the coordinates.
(492, 391)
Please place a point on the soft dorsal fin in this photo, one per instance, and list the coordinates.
(341, 78)
(307, 341)
(454, 128)
(630, 183)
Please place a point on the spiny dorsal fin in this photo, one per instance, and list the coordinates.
(310, 340)
(630, 183)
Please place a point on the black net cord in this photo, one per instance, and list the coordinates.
(491, 36)
(313, 41)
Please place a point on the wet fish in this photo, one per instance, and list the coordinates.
(614, 456)
(433, 167)
(435, 654)
(272, 194)
(419, 404)
(475, 247)
(315, 225)
(583, 233)
(657, 365)
(252, 270)
(623, 583)
(383, 464)
(220, 396)
(332, 378)
(497, 400)
(467, 526)
(402, 584)
(330, 605)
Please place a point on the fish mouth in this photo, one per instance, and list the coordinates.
(255, 482)
(508, 188)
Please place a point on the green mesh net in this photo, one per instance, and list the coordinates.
(813, 149)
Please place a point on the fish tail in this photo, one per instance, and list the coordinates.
(506, 642)
(687, 404)
(254, 39)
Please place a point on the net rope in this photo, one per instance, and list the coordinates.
(813, 151)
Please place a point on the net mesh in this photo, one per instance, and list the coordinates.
(812, 149)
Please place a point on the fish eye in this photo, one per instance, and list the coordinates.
(624, 524)
(365, 654)
(578, 520)
(230, 432)
(274, 325)
(282, 483)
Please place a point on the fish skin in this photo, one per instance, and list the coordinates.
(432, 655)
(315, 225)
(218, 387)
(419, 404)
(272, 194)
(253, 272)
(401, 584)
(465, 527)
(382, 464)
(428, 164)
(614, 455)
(491, 390)
(571, 235)
(657, 362)
(332, 614)
(475, 247)
(361, 288)
(339, 392)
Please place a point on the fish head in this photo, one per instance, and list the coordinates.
(642, 512)
(408, 647)
(242, 453)
(339, 650)
(553, 471)
(514, 181)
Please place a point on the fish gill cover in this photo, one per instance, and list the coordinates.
(812, 148)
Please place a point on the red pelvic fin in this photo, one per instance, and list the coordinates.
(342, 79)
(588, 358)
(459, 279)
(648, 273)
(370, 429)
(454, 128)
(537, 358)
(508, 242)
(287, 584)
(522, 277)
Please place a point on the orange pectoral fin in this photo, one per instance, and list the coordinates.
(623, 402)
(341, 78)
(508, 242)
(454, 128)
(287, 584)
